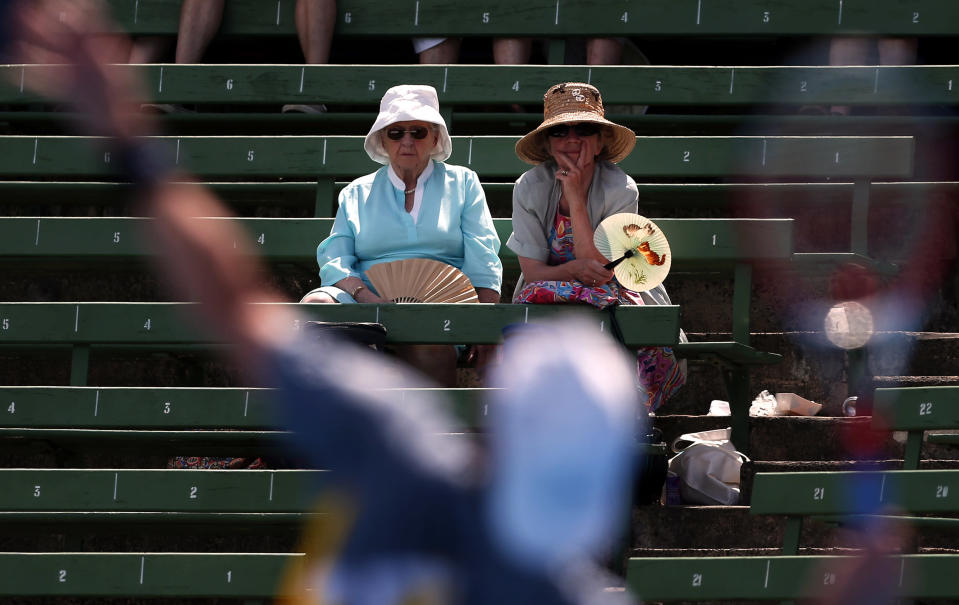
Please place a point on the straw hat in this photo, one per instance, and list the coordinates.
(575, 102)
(405, 103)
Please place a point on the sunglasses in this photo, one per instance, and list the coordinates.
(417, 132)
(583, 129)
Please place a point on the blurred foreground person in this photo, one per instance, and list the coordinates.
(425, 524)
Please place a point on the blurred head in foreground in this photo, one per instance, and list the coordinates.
(562, 439)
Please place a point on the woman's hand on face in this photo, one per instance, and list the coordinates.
(574, 175)
(590, 272)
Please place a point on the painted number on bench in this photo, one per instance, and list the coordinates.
(6, 323)
(818, 493)
(446, 325)
(485, 17)
(686, 156)
(658, 86)
(249, 155)
(106, 157)
(697, 579)
(229, 84)
(828, 579)
(12, 408)
(802, 86)
(372, 85)
(950, 85)
(116, 237)
(62, 576)
(229, 576)
(36, 491)
(915, 17)
(515, 86)
(148, 325)
(942, 491)
(348, 18)
(765, 16)
(925, 409)
(625, 17)
(193, 492)
(261, 239)
(714, 239)
(166, 407)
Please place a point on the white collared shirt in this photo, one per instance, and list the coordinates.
(420, 182)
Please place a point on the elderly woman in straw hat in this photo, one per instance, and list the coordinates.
(556, 206)
(415, 206)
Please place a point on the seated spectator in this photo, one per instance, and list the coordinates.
(416, 206)
(200, 20)
(557, 205)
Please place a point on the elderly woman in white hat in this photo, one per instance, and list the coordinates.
(556, 206)
(416, 206)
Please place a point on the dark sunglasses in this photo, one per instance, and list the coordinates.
(417, 132)
(583, 129)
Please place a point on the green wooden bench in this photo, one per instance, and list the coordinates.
(477, 85)
(732, 245)
(170, 421)
(549, 18)
(838, 496)
(250, 575)
(917, 410)
(845, 493)
(775, 578)
(323, 159)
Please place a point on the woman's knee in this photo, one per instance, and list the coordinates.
(317, 297)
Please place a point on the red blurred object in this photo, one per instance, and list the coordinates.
(852, 281)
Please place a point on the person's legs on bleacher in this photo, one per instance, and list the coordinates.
(315, 20)
(604, 51)
(437, 50)
(847, 51)
(512, 51)
(199, 22)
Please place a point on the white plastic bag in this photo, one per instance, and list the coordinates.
(708, 467)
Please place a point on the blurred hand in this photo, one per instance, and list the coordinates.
(70, 33)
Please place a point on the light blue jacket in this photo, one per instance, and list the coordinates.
(454, 226)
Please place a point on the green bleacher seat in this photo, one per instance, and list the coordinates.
(772, 578)
(490, 156)
(405, 18)
(477, 85)
(171, 421)
(168, 575)
(325, 158)
(917, 410)
(698, 245)
(838, 496)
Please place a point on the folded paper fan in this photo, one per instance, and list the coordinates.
(421, 280)
(637, 249)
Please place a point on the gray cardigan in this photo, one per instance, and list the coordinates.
(535, 200)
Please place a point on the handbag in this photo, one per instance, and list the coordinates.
(708, 467)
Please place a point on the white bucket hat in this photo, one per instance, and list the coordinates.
(406, 103)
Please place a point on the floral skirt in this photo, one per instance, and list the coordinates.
(658, 373)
